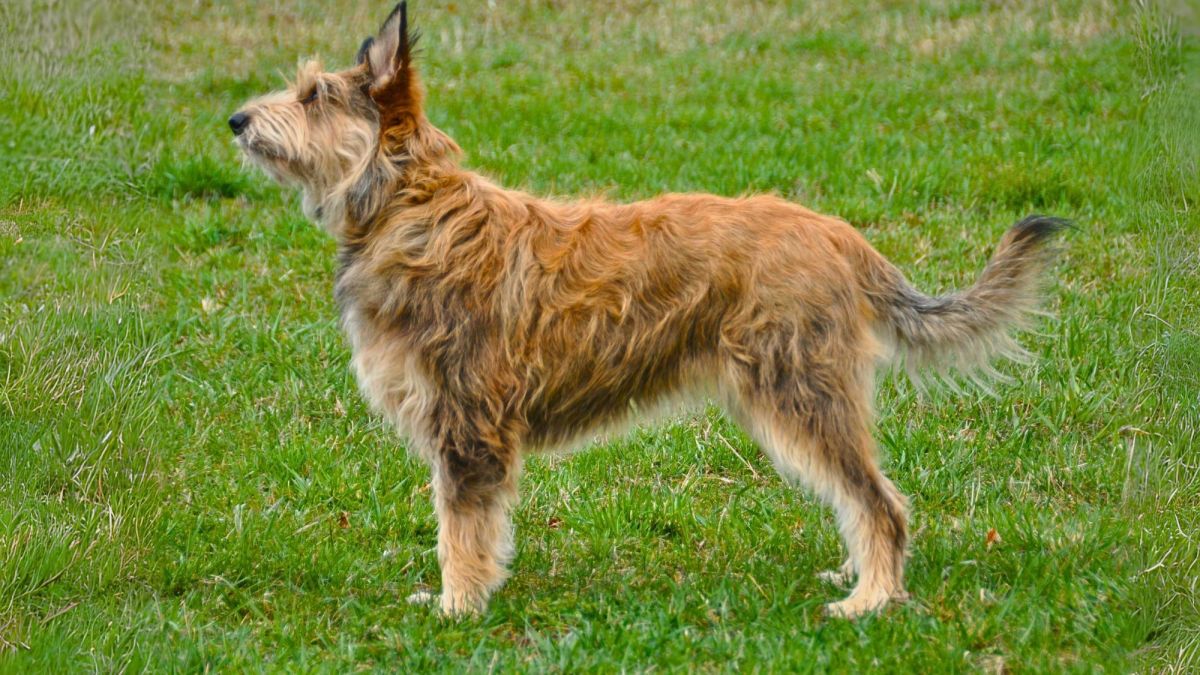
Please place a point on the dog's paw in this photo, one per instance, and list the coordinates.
(843, 576)
(423, 598)
(858, 605)
(838, 577)
(855, 607)
(450, 606)
(457, 605)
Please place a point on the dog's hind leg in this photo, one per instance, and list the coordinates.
(815, 428)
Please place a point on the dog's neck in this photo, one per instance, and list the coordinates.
(427, 161)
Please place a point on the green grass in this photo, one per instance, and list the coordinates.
(188, 479)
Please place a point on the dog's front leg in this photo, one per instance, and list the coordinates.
(474, 493)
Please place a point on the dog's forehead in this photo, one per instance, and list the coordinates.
(311, 73)
(274, 98)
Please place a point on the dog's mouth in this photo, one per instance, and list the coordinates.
(255, 148)
(267, 158)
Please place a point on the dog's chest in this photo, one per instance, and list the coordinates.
(387, 372)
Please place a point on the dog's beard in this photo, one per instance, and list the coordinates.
(268, 159)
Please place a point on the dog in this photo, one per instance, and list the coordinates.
(487, 324)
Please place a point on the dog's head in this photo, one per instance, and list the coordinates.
(334, 133)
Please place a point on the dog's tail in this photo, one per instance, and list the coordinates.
(962, 331)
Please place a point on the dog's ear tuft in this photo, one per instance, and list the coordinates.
(364, 51)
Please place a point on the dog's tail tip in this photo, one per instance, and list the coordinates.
(1040, 227)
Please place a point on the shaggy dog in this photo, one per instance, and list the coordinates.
(487, 323)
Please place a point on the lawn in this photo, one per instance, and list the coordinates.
(190, 481)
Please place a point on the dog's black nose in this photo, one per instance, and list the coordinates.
(238, 123)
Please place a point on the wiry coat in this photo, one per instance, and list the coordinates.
(486, 323)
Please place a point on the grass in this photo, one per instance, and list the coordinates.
(189, 481)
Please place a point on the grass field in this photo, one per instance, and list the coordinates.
(189, 480)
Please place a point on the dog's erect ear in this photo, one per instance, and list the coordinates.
(394, 85)
(390, 52)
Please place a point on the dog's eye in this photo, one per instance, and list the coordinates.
(312, 97)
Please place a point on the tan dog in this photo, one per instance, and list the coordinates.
(487, 323)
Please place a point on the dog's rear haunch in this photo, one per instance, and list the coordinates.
(487, 323)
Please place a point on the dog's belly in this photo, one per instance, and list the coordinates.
(599, 387)
(598, 417)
